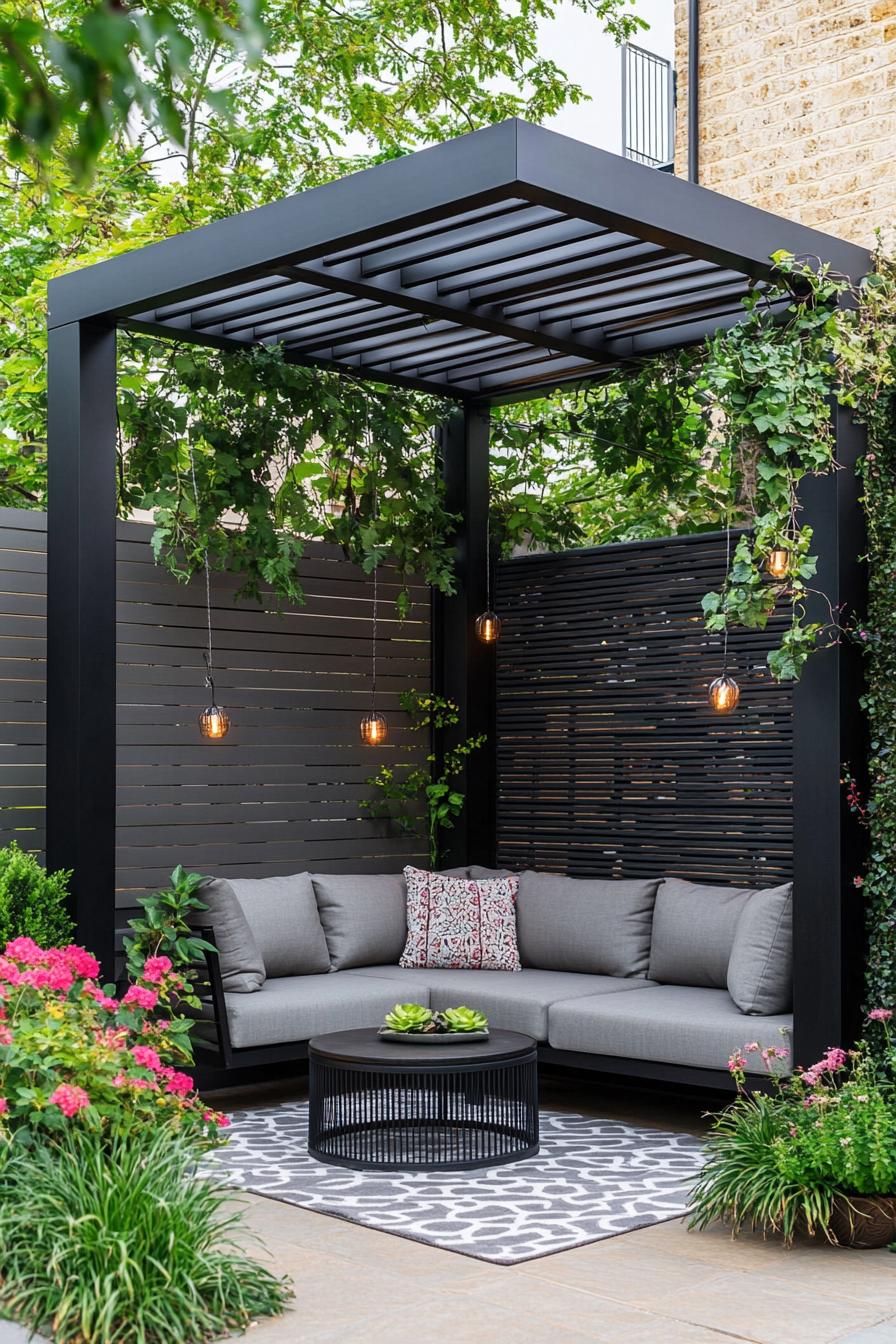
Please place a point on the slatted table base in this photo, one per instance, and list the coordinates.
(438, 1117)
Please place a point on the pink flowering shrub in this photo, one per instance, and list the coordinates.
(776, 1161)
(72, 1053)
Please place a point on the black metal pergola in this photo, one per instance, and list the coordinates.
(495, 267)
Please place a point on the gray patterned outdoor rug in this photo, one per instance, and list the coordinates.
(592, 1179)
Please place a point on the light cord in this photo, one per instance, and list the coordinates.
(207, 655)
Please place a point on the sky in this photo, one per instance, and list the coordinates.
(593, 60)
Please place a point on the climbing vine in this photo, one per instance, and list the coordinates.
(865, 348)
(248, 457)
(768, 381)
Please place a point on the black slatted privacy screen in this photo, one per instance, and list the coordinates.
(281, 793)
(610, 761)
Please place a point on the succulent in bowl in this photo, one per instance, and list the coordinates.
(465, 1019)
(409, 1017)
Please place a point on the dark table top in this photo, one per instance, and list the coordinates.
(364, 1046)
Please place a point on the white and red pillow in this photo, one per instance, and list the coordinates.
(458, 923)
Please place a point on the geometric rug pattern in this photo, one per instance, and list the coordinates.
(591, 1179)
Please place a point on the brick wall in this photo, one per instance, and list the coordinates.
(797, 108)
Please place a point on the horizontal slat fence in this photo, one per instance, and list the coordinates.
(282, 792)
(610, 762)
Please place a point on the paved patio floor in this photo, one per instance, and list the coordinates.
(660, 1285)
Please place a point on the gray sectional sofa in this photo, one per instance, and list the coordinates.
(654, 978)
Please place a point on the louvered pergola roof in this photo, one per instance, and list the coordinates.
(496, 266)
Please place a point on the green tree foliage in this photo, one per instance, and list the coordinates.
(73, 72)
(227, 118)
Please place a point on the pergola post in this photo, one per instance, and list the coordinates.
(81, 625)
(463, 667)
(829, 732)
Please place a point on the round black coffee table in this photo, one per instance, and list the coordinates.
(390, 1106)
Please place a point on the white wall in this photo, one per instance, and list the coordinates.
(576, 42)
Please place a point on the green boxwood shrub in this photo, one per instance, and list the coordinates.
(33, 902)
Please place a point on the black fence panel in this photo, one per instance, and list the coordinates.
(282, 792)
(609, 760)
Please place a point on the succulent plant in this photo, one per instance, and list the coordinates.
(465, 1019)
(409, 1017)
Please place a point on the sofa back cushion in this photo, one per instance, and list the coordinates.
(693, 933)
(239, 957)
(363, 917)
(760, 969)
(588, 925)
(282, 914)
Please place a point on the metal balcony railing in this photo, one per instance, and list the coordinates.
(648, 107)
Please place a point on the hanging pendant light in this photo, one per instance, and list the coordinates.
(488, 622)
(214, 722)
(374, 729)
(724, 692)
(777, 562)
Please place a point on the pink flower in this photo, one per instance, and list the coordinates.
(146, 1057)
(26, 950)
(69, 1099)
(155, 969)
(179, 1084)
(793, 1131)
(4, 1106)
(9, 971)
(222, 1121)
(835, 1058)
(858, 881)
(736, 1063)
(103, 1000)
(5, 1035)
(82, 963)
(880, 1014)
(144, 998)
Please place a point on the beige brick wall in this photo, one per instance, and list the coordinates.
(797, 108)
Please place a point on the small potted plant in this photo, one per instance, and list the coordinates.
(412, 1020)
(816, 1155)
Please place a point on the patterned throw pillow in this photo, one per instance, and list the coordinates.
(458, 923)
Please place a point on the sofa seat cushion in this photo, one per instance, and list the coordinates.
(517, 1001)
(672, 1024)
(297, 1007)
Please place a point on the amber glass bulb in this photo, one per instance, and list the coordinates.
(724, 694)
(374, 730)
(778, 563)
(488, 627)
(214, 722)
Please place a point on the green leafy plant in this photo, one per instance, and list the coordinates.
(777, 1162)
(408, 1017)
(166, 929)
(401, 789)
(464, 1019)
(125, 1244)
(33, 902)
(72, 1054)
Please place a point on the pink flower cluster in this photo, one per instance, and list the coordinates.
(880, 1014)
(831, 1062)
(69, 1099)
(39, 981)
(54, 968)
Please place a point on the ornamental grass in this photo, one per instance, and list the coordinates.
(121, 1243)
